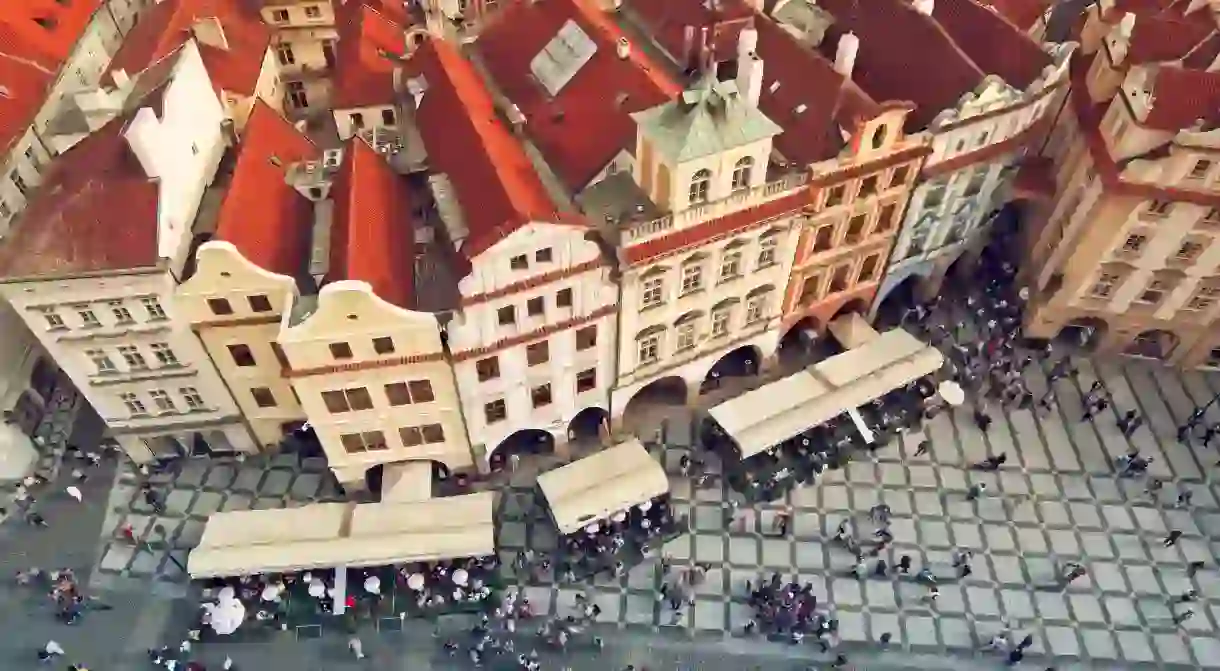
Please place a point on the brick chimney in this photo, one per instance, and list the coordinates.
(749, 66)
(209, 31)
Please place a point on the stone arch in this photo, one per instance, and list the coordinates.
(670, 390)
(742, 361)
(1154, 344)
(799, 341)
(589, 424)
(522, 442)
(1084, 333)
(900, 296)
(857, 305)
(374, 479)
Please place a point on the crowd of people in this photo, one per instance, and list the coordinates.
(613, 545)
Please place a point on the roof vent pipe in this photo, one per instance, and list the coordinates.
(845, 54)
(623, 48)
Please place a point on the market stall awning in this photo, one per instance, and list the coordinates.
(596, 487)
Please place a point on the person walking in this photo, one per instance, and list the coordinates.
(976, 491)
(75, 493)
(356, 646)
(1172, 539)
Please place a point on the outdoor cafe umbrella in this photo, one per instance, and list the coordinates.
(317, 590)
(416, 581)
(951, 392)
(620, 516)
(592, 529)
(645, 506)
(270, 593)
(372, 585)
(460, 577)
(225, 616)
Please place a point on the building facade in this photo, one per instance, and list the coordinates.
(1124, 259)
(304, 41)
(100, 302)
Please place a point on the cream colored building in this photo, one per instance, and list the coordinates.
(304, 42)
(94, 282)
(1125, 258)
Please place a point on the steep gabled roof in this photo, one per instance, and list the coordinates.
(583, 124)
(25, 87)
(994, 44)
(370, 44)
(166, 25)
(668, 22)
(262, 215)
(496, 184)
(372, 236)
(1021, 13)
(1180, 97)
(45, 30)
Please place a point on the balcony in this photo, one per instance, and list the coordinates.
(738, 201)
(303, 73)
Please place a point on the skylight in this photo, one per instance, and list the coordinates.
(562, 57)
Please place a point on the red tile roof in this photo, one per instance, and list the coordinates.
(395, 10)
(1204, 54)
(994, 44)
(1156, 39)
(46, 28)
(96, 210)
(588, 121)
(266, 218)
(25, 88)
(369, 44)
(494, 179)
(165, 26)
(1181, 97)
(667, 21)
(896, 41)
(372, 236)
(1021, 13)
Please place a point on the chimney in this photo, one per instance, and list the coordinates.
(688, 44)
(924, 7)
(209, 31)
(120, 79)
(845, 53)
(623, 48)
(749, 66)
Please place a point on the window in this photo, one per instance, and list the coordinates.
(387, 117)
(766, 251)
(1200, 169)
(162, 400)
(934, 197)
(506, 315)
(900, 176)
(279, 15)
(220, 306)
(700, 186)
(834, 196)
(121, 314)
(540, 396)
(730, 266)
(357, 120)
(312, 12)
(1212, 218)
(191, 395)
(101, 360)
(131, 355)
(543, 255)
(1154, 293)
(433, 433)
(855, 229)
(164, 354)
(586, 338)
(297, 96)
(487, 369)
(134, 405)
(977, 180)
(18, 182)
(421, 391)
(53, 320)
(397, 393)
(692, 278)
(741, 173)
(242, 356)
(1105, 284)
(823, 240)
(809, 289)
(652, 293)
(495, 411)
(5, 210)
(519, 262)
(586, 380)
(1134, 244)
(283, 51)
(153, 307)
(535, 306)
(1189, 251)
(369, 441)
(537, 354)
(383, 345)
(869, 268)
(411, 436)
(347, 400)
(879, 136)
(720, 322)
(263, 397)
(1158, 208)
(259, 303)
(563, 299)
(340, 350)
(868, 186)
(754, 308)
(838, 281)
(648, 349)
(886, 220)
(686, 336)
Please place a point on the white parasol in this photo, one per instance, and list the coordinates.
(645, 506)
(372, 585)
(416, 581)
(620, 516)
(592, 529)
(951, 392)
(317, 590)
(460, 577)
(270, 593)
(226, 616)
(227, 593)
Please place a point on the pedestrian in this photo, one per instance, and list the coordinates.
(885, 639)
(1184, 498)
(1172, 539)
(1182, 617)
(904, 564)
(1026, 643)
(1189, 596)
(228, 665)
(1193, 568)
(932, 595)
(976, 490)
(1154, 488)
(356, 646)
(52, 649)
(75, 493)
(923, 447)
(1015, 656)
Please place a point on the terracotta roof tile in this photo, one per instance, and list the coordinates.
(372, 236)
(369, 44)
(96, 210)
(1021, 13)
(667, 21)
(588, 121)
(895, 41)
(46, 29)
(166, 25)
(494, 179)
(265, 217)
(26, 85)
(992, 42)
(1156, 39)
(1204, 54)
(1181, 96)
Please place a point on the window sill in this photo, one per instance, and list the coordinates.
(652, 306)
(692, 292)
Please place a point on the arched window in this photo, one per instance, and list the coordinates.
(879, 136)
(741, 173)
(700, 185)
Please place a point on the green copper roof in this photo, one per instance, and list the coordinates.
(705, 120)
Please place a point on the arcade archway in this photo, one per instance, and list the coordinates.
(1084, 333)
(588, 425)
(522, 443)
(1154, 344)
(899, 299)
(651, 402)
(744, 361)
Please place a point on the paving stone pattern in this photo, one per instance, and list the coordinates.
(51, 439)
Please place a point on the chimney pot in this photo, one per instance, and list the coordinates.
(845, 54)
(623, 48)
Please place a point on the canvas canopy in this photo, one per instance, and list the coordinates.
(596, 487)
(852, 331)
(329, 535)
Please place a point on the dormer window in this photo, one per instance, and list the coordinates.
(700, 187)
(879, 136)
(1200, 169)
(741, 173)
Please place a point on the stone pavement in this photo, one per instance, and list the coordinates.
(51, 437)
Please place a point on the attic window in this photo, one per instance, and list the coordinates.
(45, 21)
